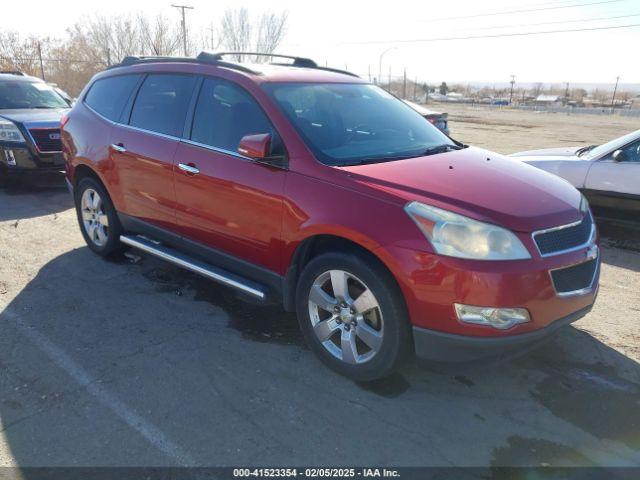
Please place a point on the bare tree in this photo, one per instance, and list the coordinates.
(236, 31)
(537, 89)
(239, 33)
(271, 31)
(18, 54)
(158, 36)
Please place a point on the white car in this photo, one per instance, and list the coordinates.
(608, 174)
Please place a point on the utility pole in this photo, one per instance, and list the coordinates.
(184, 25)
(369, 73)
(415, 85)
(41, 64)
(211, 30)
(512, 82)
(389, 89)
(566, 91)
(404, 84)
(108, 57)
(615, 90)
(380, 62)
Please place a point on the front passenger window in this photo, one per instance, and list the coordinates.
(632, 152)
(225, 113)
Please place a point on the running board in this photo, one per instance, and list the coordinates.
(213, 273)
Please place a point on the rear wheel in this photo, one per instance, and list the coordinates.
(353, 316)
(97, 217)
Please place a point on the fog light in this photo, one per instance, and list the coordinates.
(500, 318)
(10, 157)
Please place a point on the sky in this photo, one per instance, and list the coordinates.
(355, 34)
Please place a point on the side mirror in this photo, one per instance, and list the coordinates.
(256, 146)
(619, 156)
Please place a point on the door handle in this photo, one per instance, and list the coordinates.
(118, 147)
(190, 169)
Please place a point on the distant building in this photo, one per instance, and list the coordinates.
(549, 100)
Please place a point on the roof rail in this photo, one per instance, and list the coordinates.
(216, 58)
(202, 58)
(13, 72)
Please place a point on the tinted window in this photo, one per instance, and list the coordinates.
(109, 95)
(354, 123)
(162, 103)
(225, 113)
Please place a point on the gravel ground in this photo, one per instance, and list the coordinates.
(134, 362)
(508, 131)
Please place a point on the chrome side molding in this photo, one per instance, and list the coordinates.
(196, 266)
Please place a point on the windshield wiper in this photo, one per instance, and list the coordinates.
(584, 150)
(43, 106)
(441, 149)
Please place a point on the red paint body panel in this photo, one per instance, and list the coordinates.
(233, 204)
(145, 175)
(262, 214)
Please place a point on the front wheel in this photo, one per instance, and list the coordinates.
(97, 217)
(353, 316)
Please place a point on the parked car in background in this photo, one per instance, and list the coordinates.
(30, 113)
(312, 188)
(608, 174)
(440, 120)
(68, 98)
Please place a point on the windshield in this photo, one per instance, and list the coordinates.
(612, 146)
(29, 95)
(348, 124)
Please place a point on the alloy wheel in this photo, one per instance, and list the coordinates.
(346, 316)
(94, 218)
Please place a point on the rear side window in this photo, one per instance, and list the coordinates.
(108, 96)
(225, 113)
(162, 103)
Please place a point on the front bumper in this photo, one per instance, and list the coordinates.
(27, 161)
(446, 347)
(432, 284)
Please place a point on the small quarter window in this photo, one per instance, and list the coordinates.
(108, 96)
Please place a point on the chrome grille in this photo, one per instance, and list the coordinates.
(568, 237)
(47, 139)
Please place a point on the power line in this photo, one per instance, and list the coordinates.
(560, 21)
(498, 35)
(508, 12)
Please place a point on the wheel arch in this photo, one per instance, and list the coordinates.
(317, 244)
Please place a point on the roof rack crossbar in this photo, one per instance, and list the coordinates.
(12, 72)
(297, 61)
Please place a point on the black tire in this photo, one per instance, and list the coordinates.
(114, 230)
(396, 339)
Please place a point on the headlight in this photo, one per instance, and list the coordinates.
(9, 132)
(459, 236)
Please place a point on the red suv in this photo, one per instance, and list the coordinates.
(309, 186)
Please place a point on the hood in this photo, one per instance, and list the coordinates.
(34, 115)
(480, 184)
(562, 153)
(422, 110)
